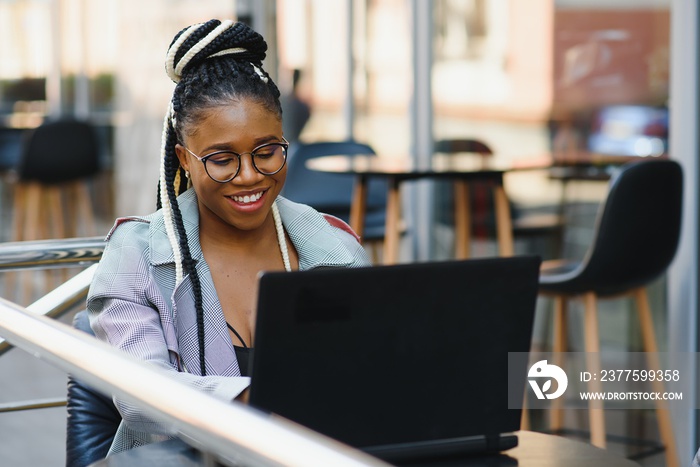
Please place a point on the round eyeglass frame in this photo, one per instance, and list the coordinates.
(284, 143)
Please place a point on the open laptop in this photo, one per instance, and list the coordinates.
(405, 362)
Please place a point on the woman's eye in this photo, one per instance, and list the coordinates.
(221, 160)
(265, 154)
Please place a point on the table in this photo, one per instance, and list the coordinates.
(534, 450)
(462, 168)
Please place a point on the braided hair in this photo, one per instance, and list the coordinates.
(212, 64)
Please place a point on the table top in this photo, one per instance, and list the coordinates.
(533, 450)
(441, 165)
(539, 450)
(544, 450)
(574, 165)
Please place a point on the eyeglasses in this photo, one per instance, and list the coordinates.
(223, 166)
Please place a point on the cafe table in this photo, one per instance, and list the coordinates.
(462, 169)
(533, 450)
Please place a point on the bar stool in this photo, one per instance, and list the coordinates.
(51, 193)
(635, 240)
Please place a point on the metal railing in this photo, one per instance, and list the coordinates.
(231, 432)
(48, 254)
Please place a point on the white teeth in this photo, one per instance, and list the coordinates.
(247, 198)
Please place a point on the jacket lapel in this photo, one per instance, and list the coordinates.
(220, 356)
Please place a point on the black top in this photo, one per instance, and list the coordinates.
(244, 355)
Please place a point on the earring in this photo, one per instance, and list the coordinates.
(187, 174)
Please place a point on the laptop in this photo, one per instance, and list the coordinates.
(405, 362)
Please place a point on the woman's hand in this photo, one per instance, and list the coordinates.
(243, 397)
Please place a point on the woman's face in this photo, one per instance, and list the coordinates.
(244, 202)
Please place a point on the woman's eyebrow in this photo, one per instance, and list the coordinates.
(229, 147)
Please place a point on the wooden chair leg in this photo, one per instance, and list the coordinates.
(31, 231)
(462, 219)
(19, 210)
(391, 231)
(87, 210)
(556, 420)
(525, 418)
(504, 222)
(592, 346)
(663, 413)
(32, 220)
(80, 198)
(53, 226)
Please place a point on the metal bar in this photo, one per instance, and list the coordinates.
(46, 254)
(31, 405)
(60, 300)
(683, 301)
(236, 433)
(349, 100)
(420, 194)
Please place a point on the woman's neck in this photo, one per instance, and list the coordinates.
(223, 236)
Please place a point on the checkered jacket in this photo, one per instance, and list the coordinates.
(134, 305)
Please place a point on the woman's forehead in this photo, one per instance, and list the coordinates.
(237, 118)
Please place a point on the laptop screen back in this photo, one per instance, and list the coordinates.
(394, 354)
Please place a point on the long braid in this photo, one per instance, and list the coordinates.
(188, 264)
(212, 64)
(166, 201)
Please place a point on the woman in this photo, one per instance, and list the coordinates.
(178, 288)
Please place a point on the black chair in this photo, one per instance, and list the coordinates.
(92, 417)
(51, 192)
(636, 237)
(332, 193)
(527, 222)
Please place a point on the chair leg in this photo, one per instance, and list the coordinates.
(55, 227)
(391, 232)
(80, 209)
(82, 198)
(19, 213)
(556, 414)
(663, 413)
(525, 417)
(592, 345)
(504, 223)
(462, 219)
(31, 231)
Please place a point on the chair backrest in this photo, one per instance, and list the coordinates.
(482, 211)
(59, 151)
(329, 193)
(449, 146)
(92, 417)
(637, 229)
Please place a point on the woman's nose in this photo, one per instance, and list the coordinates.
(247, 172)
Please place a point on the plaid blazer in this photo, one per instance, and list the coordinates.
(134, 305)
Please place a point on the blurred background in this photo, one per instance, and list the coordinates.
(532, 79)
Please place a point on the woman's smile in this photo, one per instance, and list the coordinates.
(248, 201)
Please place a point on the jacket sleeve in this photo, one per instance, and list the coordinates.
(125, 305)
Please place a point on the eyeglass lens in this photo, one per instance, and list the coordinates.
(267, 159)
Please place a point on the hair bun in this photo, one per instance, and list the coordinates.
(199, 42)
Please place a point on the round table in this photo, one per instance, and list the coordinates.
(533, 450)
(461, 168)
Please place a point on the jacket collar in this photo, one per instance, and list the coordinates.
(316, 242)
(161, 250)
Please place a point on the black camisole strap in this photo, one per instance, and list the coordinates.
(237, 335)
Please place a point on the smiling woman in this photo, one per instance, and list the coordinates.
(178, 288)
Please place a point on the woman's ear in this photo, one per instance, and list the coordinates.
(182, 157)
